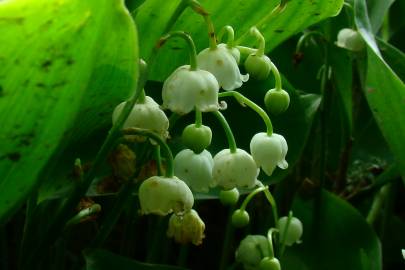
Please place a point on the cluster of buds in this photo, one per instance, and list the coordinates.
(256, 252)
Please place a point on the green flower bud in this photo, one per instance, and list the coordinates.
(269, 264)
(229, 197)
(162, 195)
(276, 101)
(240, 218)
(187, 228)
(252, 249)
(196, 138)
(350, 39)
(187, 89)
(234, 169)
(223, 65)
(195, 169)
(294, 233)
(258, 67)
(146, 115)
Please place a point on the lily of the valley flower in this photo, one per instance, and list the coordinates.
(186, 228)
(269, 151)
(161, 195)
(350, 39)
(195, 169)
(236, 169)
(145, 114)
(187, 89)
(232, 50)
(220, 62)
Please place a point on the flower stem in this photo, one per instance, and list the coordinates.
(270, 240)
(246, 50)
(304, 38)
(158, 159)
(198, 118)
(198, 8)
(230, 33)
(250, 196)
(262, 42)
(277, 76)
(144, 132)
(282, 242)
(244, 100)
(191, 47)
(227, 242)
(273, 204)
(228, 131)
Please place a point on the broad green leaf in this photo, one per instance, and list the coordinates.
(64, 65)
(98, 259)
(385, 94)
(377, 10)
(276, 23)
(335, 237)
(394, 58)
(362, 21)
(384, 90)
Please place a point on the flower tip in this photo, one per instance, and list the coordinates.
(283, 164)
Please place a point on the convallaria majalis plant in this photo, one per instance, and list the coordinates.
(197, 87)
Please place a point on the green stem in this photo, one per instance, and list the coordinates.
(377, 205)
(228, 131)
(113, 214)
(198, 8)
(251, 195)
(246, 50)
(191, 47)
(304, 37)
(227, 242)
(230, 34)
(270, 240)
(158, 159)
(183, 255)
(95, 208)
(273, 204)
(262, 42)
(244, 100)
(198, 118)
(142, 97)
(282, 242)
(277, 76)
(159, 140)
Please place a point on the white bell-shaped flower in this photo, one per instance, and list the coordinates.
(187, 89)
(186, 228)
(269, 151)
(146, 115)
(234, 169)
(350, 39)
(161, 195)
(223, 65)
(195, 169)
(232, 50)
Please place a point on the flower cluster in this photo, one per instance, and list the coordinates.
(197, 87)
